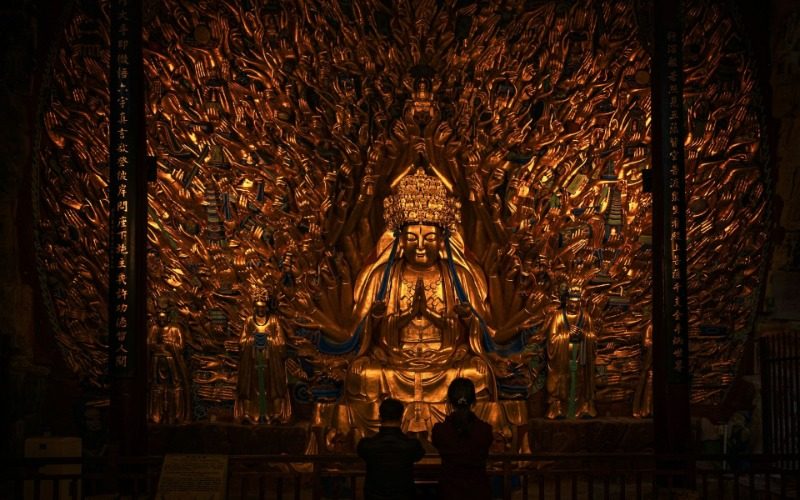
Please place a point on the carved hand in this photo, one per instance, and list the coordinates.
(475, 187)
(462, 310)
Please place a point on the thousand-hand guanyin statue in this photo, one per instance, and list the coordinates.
(421, 304)
(273, 172)
(421, 313)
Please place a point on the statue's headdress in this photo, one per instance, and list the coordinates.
(260, 295)
(421, 199)
(572, 289)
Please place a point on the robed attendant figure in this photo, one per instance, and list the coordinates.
(643, 397)
(168, 400)
(262, 393)
(571, 352)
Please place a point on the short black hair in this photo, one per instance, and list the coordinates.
(391, 409)
(461, 393)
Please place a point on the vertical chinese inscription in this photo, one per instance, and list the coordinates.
(675, 178)
(123, 147)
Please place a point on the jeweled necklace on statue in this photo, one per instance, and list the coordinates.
(260, 340)
(430, 287)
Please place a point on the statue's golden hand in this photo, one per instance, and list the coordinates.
(472, 160)
(381, 356)
(475, 187)
(462, 310)
(368, 182)
(496, 180)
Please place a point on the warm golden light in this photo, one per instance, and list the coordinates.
(279, 135)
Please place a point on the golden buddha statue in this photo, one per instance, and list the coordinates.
(168, 398)
(571, 352)
(421, 310)
(262, 393)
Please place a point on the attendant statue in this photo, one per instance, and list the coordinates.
(643, 397)
(570, 359)
(168, 398)
(421, 306)
(262, 393)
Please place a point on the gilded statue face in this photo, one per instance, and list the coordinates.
(161, 319)
(420, 244)
(260, 309)
(573, 305)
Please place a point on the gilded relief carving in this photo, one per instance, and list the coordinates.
(279, 129)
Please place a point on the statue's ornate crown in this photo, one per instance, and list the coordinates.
(574, 289)
(260, 295)
(574, 292)
(421, 199)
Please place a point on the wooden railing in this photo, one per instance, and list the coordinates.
(780, 379)
(540, 476)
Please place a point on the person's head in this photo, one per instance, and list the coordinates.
(461, 393)
(391, 412)
(421, 243)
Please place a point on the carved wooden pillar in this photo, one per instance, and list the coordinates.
(670, 316)
(128, 225)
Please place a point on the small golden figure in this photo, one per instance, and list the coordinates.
(643, 397)
(262, 393)
(570, 359)
(168, 398)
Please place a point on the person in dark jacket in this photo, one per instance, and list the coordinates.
(463, 441)
(390, 457)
